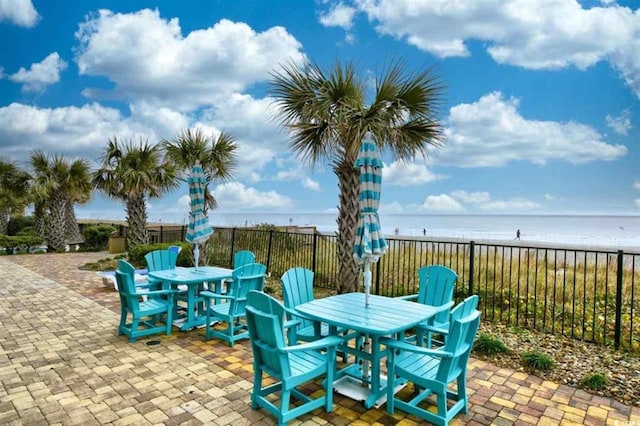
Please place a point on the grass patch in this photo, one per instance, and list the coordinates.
(595, 381)
(537, 360)
(486, 344)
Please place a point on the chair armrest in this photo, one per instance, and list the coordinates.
(212, 295)
(404, 346)
(291, 323)
(316, 344)
(408, 297)
(150, 293)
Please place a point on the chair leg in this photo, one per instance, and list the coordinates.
(441, 399)
(123, 321)
(285, 400)
(462, 391)
(257, 386)
(391, 378)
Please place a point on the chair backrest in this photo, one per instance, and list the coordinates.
(125, 277)
(176, 249)
(297, 288)
(464, 308)
(245, 279)
(265, 320)
(436, 287)
(462, 333)
(242, 258)
(158, 260)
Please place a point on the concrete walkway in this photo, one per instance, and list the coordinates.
(62, 362)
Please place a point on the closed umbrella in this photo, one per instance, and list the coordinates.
(199, 229)
(369, 244)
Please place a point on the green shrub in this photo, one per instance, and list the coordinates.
(486, 344)
(536, 360)
(96, 237)
(595, 381)
(18, 223)
(137, 253)
(20, 244)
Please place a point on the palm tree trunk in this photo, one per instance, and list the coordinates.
(349, 185)
(137, 221)
(4, 219)
(56, 223)
(39, 215)
(72, 231)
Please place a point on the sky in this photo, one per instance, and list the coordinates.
(541, 102)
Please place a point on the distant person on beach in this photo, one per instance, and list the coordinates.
(517, 235)
(397, 231)
(424, 231)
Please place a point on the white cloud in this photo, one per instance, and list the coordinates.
(621, 124)
(401, 173)
(394, 207)
(81, 131)
(549, 197)
(41, 74)
(637, 202)
(491, 132)
(535, 34)
(636, 185)
(19, 12)
(235, 195)
(311, 184)
(483, 201)
(339, 15)
(441, 203)
(148, 57)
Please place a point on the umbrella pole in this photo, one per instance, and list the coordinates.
(367, 282)
(196, 255)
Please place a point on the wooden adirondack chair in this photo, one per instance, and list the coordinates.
(432, 370)
(242, 258)
(145, 315)
(436, 289)
(245, 279)
(158, 260)
(289, 365)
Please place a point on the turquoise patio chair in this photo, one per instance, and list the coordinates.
(159, 260)
(145, 315)
(297, 288)
(289, 365)
(245, 279)
(431, 371)
(243, 257)
(461, 310)
(437, 283)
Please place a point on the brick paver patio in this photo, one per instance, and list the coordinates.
(62, 362)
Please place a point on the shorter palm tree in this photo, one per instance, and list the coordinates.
(14, 186)
(133, 172)
(60, 181)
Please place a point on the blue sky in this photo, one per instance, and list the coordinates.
(541, 104)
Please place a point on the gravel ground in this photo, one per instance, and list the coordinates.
(574, 360)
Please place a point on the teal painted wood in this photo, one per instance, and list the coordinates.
(242, 258)
(436, 289)
(384, 316)
(194, 280)
(461, 310)
(432, 370)
(146, 316)
(158, 260)
(289, 365)
(245, 279)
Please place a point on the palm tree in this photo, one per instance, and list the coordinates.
(133, 172)
(327, 115)
(216, 155)
(59, 181)
(14, 187)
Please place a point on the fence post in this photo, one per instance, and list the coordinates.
(161, 234)
(472, 256)
(618, 323)
(182, 233)
(269, 248)
(314, 256)
(233, 244)
(377, 277)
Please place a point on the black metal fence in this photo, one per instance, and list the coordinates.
(586, 294)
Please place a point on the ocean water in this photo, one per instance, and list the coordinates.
(613, 232)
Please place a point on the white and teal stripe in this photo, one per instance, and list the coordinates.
(369, 244)
(199, 229)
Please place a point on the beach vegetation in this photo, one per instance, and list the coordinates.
(133, 172)
(60, 183)
(96, 237)
(136, 254)
(486, 344)
(14, 185)
(328, 114)
(537, 360)
(595, 381)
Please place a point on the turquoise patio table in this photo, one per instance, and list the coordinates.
(384, 316)
(194, 280)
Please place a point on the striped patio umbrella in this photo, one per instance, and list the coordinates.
(199, 229)
(369, 244)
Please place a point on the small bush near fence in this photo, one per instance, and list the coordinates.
(96, 238)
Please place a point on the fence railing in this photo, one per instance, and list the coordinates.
(587, 294)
